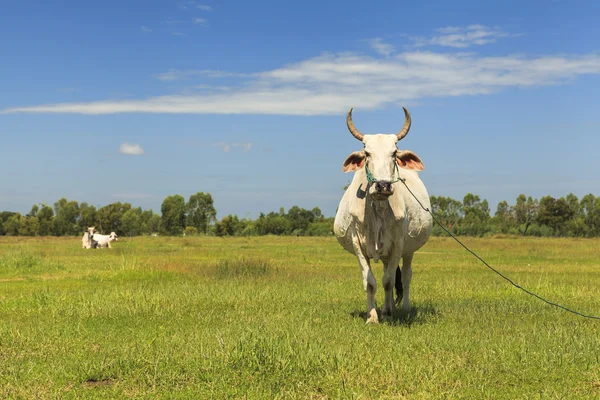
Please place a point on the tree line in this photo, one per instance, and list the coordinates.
(548, 216)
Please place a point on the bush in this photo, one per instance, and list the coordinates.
(190, 231)
(320, 229)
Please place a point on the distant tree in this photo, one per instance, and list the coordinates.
(131, 222)
(28, 226)
(590, 211)
(200, 211)
(12, 224)
(45, 216)
(525, 211)
(575, 226)
(573, 203)
(34, 211)
(173, 215)
(109, 217)
(476, 216)
(317, 214)
(149, 222)
(190, 231)
(228, 226)
(448, 211)
(87, 216)
(153, 223)
(554, 214)
(4, 216)
(299, 219)
(272, 224)
(503, 218)
(66, 216)
(322, 227)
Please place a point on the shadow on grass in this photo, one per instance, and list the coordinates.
(418, 314)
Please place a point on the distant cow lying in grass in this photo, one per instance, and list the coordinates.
(87, 241)
(103, 240)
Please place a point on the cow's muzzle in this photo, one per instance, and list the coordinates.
(384, 188)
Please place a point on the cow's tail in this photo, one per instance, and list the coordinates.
(398, 285)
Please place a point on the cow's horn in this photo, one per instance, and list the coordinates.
(406, 126)
(352, 128)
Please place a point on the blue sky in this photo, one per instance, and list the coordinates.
(136, 100)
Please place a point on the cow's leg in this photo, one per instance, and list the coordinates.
(369, 283)
(406, 277)
(389, 278)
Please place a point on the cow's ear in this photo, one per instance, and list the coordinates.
(355, 161)
(409, 160)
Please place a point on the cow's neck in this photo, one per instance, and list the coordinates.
(377, 213)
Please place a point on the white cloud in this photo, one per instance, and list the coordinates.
(69, 90)
(331, 83)
(178, 34)
(176, 74)
(172, 21)
(380, 47)
(131, 149)
(203, 7)
(225, 146)
(228, 146)
(184, 5)
(145, 29)
(461, 37)
(200, 21)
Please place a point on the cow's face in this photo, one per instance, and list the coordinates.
(90, 232)
(382, 159)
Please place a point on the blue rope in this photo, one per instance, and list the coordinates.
(371, 178)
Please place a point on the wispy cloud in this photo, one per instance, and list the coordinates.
(172, 21)
(200, 21)
(461, 37)
(225, 146)
(145, 29)
(184, 5)
(228, 146)
(176, 74)
(68, 90)
(380, 47)
(331, 83)
(131, 149)
(178, 34)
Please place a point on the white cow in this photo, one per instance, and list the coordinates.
(378, 219)
(86, 241)
(104, 240)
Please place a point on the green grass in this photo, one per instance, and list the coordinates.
(274, 317)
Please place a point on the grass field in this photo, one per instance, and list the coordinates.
(275, 317)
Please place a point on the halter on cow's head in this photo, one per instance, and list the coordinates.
(381, 158)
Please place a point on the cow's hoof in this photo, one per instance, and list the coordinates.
(388, 310)
(373, 319)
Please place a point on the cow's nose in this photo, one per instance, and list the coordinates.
(383, 186)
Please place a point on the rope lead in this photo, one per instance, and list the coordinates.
(490, 267)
